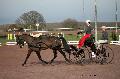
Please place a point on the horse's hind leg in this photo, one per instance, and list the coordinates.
(29, 53)
(55, 55)
(39, 56)
(63, 55)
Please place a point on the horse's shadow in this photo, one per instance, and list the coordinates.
(58, 62)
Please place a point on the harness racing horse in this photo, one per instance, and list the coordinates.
(41, 43)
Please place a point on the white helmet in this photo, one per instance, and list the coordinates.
(88, 21)
(104, 27)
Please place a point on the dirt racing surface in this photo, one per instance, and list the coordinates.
(12, 57)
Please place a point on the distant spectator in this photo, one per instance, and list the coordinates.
(104, 33)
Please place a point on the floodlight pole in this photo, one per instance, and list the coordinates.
(116, 12)
(95, 17)
(83, 14)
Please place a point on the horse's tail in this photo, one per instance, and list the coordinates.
(65, 44)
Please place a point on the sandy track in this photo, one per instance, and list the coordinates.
(11, 58)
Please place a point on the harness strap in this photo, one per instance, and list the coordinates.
(38, 46)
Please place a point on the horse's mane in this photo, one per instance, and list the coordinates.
(41, 37)
(28, 35)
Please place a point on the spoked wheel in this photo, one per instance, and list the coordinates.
(99, 56)
(105, 54)
(77, 57)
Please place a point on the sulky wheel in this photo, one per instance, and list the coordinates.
(77, 57)
(104, 54)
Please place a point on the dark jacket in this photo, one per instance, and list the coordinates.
(88, 29)
(104, 35)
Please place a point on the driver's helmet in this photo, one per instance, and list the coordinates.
(88, 21)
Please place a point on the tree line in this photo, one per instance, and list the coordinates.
(29, 20)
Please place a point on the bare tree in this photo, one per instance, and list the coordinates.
(29, 20)
(70, 23)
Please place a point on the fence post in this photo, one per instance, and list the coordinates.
(10, 36)
(119, 37)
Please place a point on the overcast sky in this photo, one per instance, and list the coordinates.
(58, 10)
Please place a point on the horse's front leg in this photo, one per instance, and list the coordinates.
(55, 55)
(40, 58)
(29, 53)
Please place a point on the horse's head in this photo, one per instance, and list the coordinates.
(20, 40)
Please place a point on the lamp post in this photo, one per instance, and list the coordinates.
(37, 26)
(30, 27)
(83, 14)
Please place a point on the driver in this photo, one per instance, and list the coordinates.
(88, 31)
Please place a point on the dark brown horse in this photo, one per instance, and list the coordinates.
(41, 43)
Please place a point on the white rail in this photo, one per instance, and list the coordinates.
(11, 43)
(0, 44)
(73, 42)
(69, 42)
(115, 42)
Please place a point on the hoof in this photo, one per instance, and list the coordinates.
(69, 61)
(45, 62)
(22, 64)
(50, 62)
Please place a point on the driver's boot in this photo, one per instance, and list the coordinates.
(93, 55)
